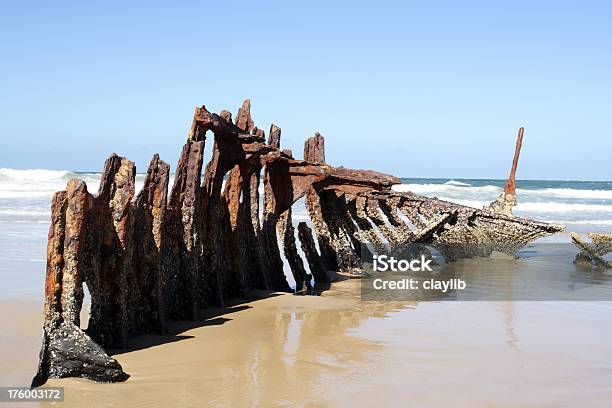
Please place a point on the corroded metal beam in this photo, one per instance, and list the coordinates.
(507, 200)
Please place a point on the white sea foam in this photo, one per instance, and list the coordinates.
(26, 194)
(25, 221)
(445, 188)
(37, 183)
(552, 207)
(568, 193)
(31, 183)
(457, 183)
(32, 174)
(582, 222)
(26, 212)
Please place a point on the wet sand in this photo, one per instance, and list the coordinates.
(21, 323)
(337, 350)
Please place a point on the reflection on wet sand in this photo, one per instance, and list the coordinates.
(278, 350)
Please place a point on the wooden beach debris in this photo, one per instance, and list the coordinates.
(592, 254)
(153, 257)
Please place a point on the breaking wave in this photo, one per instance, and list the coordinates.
(33, 174)
(25, 195)
(38, 183)
(457, 183)
(445, 188)
(31, 183)
(607, 223)
(552, 207)
(568, 193)
(25, 212)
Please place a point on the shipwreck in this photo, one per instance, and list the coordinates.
(153, 257)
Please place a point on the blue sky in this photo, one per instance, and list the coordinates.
(417, 89)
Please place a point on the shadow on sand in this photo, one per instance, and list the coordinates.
(210, 316)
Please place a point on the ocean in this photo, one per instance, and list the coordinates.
(25, 197)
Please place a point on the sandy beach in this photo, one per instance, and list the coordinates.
(337, 350)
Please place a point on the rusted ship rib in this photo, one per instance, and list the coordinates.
(593, 254)
(151, 258)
